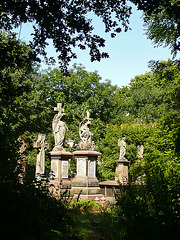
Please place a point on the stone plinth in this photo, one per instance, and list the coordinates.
(108, 189)
(59, 169)
(122, 170)
(85, 182)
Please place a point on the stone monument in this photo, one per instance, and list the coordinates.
(140, 151)
(59, 128)
(123, 163)
(59, 155)
(86, 136)
(41, 146)
(85, 182)
(24, 145)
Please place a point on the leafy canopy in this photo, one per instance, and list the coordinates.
(66, 23)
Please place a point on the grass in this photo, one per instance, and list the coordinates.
(93, 221)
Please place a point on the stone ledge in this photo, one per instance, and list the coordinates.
(123, 160)
(59, 153)
(86, 190)
(91, 197)
(109, 183)
(87, 153)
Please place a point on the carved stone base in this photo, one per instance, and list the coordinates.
(58, 149)
(85, 184)
(61, 188)
(59, 182)
(59, 164)
(122, 170)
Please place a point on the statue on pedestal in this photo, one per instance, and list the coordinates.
(85, 135)
(59, 128)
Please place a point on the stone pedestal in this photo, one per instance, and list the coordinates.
(85, 182)
(122, 170)
(59, 168)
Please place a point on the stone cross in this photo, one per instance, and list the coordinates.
(59, 108)
(88, 116)
(41, 145)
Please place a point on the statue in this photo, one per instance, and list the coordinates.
(85, 135)
(59, 128)
(140, 151)
(122, 145)
(24, 145)
(41, 146)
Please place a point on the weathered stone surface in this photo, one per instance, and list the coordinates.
(81, 167)
(79, 183)
(93, 183)
(94, 190)
(122, 172)
(87, 191)
(41, 146)
(67, 192)
(65, 167)
(86, 136)
(66, 185)
(87, 153)
(86, 183)
(140, 151)
(122, 145)
(82, 191)
(55, 168)
(59, 163)
(24, 145)
(59, 128)
(91, 168)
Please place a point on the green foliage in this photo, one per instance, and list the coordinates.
(67, 23)
(150, 96)
(134, 134)
(161, 21)
(16, 70)
(152, 210)
(162, 25)
(146, 111)
(29, 213)
(79, 92)
(85, 207)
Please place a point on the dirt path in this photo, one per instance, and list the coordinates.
(99, 232)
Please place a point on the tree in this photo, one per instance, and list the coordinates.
(108, 146)
(79, 92)
(16, 67)
(151, 210)
(66, 23)
(162, 22)
(151, 95)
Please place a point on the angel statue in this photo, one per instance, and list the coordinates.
(59, 128)
(85, 135)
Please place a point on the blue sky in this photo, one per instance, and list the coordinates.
(129, 52)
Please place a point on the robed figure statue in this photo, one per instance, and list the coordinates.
(59, 128)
